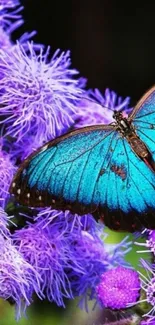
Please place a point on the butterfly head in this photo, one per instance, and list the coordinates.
(118, 116)
(123, 125)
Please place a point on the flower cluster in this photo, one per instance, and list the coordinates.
(48, 252)
(40, 95)
(69, 259)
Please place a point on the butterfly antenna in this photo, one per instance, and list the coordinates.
(100, 104)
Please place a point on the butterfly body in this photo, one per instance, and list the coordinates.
(127, 130)
(106, 170)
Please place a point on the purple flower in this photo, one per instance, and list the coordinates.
(89, 256)
(149, 243)
(19, 150)
(69, 222)
(37, 95)
(8, 4)
(4, 222)
(5, 37)
(7, 170)
(148, 285)
(8, 18)
(119, 287)
(18, 278)
(98, 109)
(91, 253)
(116, 252)
(25, 38)
(68, 253)
(48, 251)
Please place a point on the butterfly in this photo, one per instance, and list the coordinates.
(107, 170)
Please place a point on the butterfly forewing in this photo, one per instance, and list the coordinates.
(144, 120)
(57, 169)
(145, 108)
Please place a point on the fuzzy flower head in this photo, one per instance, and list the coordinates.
(98, 108)
(37, 94)
(18, 279)
(20, 150)
(90, 252)
(69, 222)
(68, 258)
(119, 287)
(48, 251)
(91, 259)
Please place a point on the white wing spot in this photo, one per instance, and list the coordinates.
(44, 148)
(28, 195)
(19, 191)
(39, 197)
(53, 201)
(13, 184)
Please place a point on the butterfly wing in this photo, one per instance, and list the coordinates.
(90, 170)
(143, 118)
(135, 190)
(62, 169)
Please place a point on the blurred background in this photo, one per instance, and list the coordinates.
(112, 45)
(112, 42)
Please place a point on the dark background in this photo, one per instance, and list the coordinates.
(112, 42)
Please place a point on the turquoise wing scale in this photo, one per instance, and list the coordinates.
(93, 170)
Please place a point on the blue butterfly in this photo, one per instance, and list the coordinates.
(106, 170)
